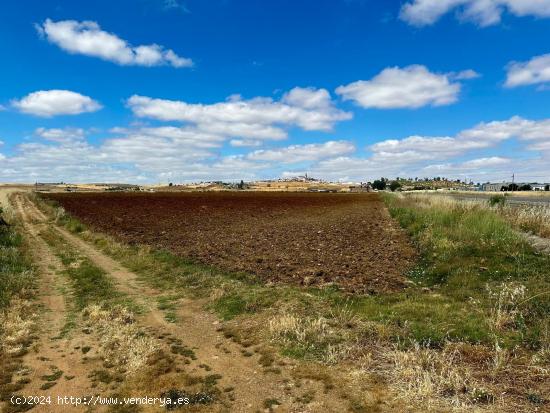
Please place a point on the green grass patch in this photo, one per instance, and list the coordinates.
(16, 276)
(465, 250)
(54, 376)
(242, 301)
(89, 283)
(168, 306)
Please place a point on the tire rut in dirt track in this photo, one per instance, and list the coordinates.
(51, 348)
(198, 330)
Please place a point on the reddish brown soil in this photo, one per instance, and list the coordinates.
(302, 238)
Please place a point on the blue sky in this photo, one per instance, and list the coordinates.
(178, 91)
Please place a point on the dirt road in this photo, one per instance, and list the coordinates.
(248, 387)
(56, 367)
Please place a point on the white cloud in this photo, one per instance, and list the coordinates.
(467, 166)
(243, 143)
(410, 87)
(484, 135)
(465, 75)
(88, 39)
(423, 156)
(258, 118)
(303, 153)
(543, 146)
(483, 12)
(308, 98)
(180, 135)
(48, 103)
(484, 162)
(60, 135)
(516, 126)
(536, 70)
(177, 154)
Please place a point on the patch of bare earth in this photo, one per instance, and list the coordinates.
(299, 238)
(195, 350)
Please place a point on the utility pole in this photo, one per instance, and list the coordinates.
(513, 181)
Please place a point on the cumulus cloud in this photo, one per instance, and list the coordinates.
(88, 39)
(484, 135)
(136, 155)
(180, 135)
(62, 135)
(534, 71)
(430, 156)
(467, 166)
(170, 153)
(48, 103)
(465, 75)
(303, 153)
(410, 87)
(244, 143)
(308, 98)
(543, 146)
(482, 12)
(524, 129)
(257, 118)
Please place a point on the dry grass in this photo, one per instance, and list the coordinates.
(533, 219)
(340, 336)
(506, 312)
(121, 341)
(431, 377)
(540, 361)
(16, 326)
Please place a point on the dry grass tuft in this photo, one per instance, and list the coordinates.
(121, 341)
(16, 326)
(303, 330)
(339, 337)
(540, 361)
(506, 297)
(431, 377)
(59, 215)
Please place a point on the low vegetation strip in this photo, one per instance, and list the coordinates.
(530, 218)
(17, 284)
(15, 270)
(308, 239)
(469, 251)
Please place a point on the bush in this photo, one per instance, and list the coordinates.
(394, 186)
(497, 200)
(379, 184)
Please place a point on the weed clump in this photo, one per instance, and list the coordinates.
(121, 340)
(430, 376)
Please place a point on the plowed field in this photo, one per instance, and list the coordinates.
(301, 238)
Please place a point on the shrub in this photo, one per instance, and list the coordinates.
(497, 200)
(394, 186)
(379, 184)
